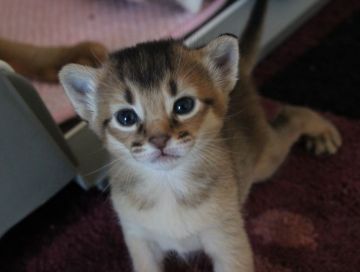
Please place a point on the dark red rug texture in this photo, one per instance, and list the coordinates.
(305, 218)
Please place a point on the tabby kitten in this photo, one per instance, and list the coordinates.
(188, 139)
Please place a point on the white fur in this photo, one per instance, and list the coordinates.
(168, 224)
(80, 83)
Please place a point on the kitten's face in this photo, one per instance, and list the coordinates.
(160, 126)
(158, 103)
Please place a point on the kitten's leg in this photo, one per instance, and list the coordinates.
(321, 137)
(229, 248)
(146, 257)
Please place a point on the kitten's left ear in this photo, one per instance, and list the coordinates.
(80, 84)
(221, 58)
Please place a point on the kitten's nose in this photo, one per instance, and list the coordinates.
(160, 140)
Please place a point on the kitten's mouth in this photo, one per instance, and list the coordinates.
(165, 158)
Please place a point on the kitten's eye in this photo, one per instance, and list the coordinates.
(184, 105)
(126, 117)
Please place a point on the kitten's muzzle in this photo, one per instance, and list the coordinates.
(159, 141)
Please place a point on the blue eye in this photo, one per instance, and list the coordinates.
(184, 105)
(126, 117)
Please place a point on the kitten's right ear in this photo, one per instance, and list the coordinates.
(80, 84)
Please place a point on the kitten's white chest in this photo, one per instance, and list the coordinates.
(170, 224)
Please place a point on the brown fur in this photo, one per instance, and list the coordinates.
(195, 203)
(44, 62)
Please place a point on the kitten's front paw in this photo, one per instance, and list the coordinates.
(326, 140)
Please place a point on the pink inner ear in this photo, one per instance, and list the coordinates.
(224, 51)
(223, 60)
(229, 52)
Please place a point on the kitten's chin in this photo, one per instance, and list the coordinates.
(160, 161)
(164, 162)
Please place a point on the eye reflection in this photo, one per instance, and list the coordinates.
(184, 105)
(127, 117)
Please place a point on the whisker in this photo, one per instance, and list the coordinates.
(102, 167)
(96, 57)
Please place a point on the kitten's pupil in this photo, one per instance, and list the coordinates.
(126, 117)
(184, 105)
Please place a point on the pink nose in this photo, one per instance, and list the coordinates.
(160, 140)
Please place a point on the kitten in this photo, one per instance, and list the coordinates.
(188, 139)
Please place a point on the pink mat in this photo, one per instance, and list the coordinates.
(116, 23)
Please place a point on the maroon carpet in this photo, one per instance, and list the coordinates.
(306, 218)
